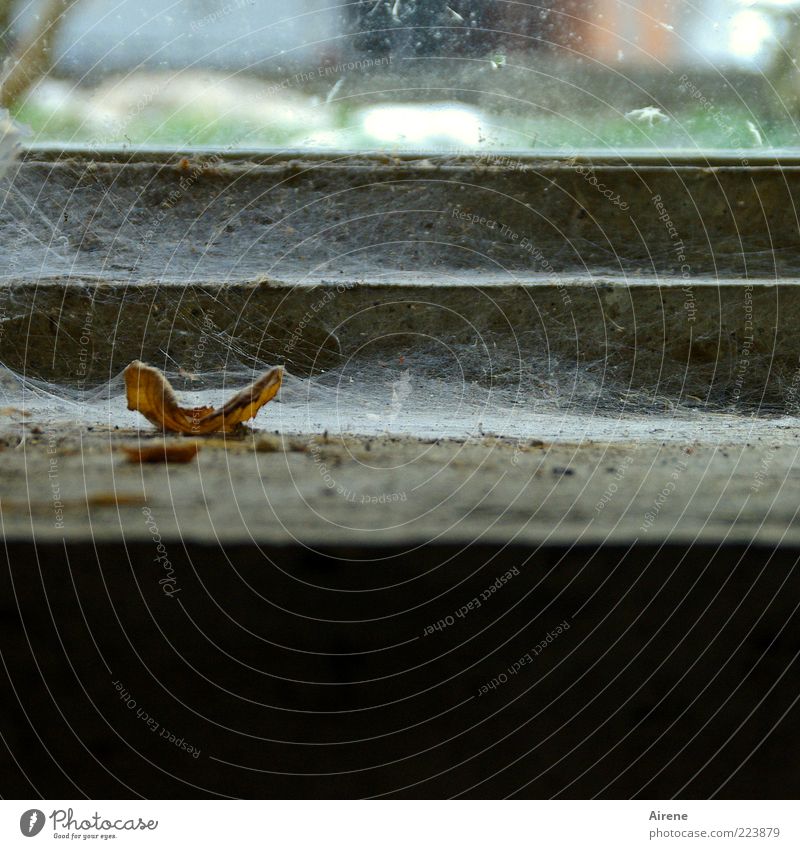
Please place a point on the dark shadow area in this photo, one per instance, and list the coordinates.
(302, 674)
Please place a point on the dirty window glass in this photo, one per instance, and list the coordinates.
(397, 75)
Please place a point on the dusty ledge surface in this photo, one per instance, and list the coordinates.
(733, 484)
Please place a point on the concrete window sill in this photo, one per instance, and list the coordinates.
(525, 307)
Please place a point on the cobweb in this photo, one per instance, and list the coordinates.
(421, 394)
(441, 382)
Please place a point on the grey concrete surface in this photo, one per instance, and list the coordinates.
(248, 215)
(501, 271)
(583, 340)
(653, 482)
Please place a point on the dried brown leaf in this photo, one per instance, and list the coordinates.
(149, 392)
(14, 412)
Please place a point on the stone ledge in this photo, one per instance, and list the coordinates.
(720, 344)
(733, 484)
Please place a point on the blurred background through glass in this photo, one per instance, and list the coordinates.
(559, 77)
